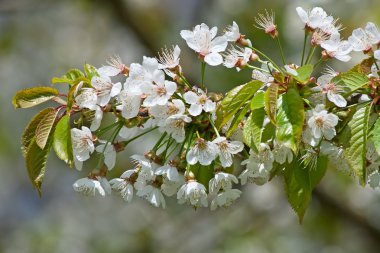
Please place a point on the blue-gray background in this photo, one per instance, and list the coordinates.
(40, 39)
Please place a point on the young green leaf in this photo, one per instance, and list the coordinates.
(90, 71)
(237, 119)
(30, 130)
(258, 101)
(290, 118)
(253, 128)
(62, 140)
(355, 151)
(44, 128)
(352, 81)
(33, 96)
(36, 162)
(271, 96)
(234, 100)
(300, 182)
(72, 77)
(304, 73)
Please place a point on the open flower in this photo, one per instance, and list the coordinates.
(115, 67)
(105, 89)
(153, 195)
(221, 181)
(282, 153)
(360, 41)
(237, 57)
(109, 152)
(322, 123)
(161, 112)
(193, 193)
(203, 152)
(198, 102)
(266, 23)
(225, 198)
(313, 19)
(130, 102)
(92, 187)
(331, 89)
(203, 40)
(85, 97)
(159, 93)
(169, 59)
(169, 171)
(175, 126)
(259, 165)
(373, 33)
(336, 48)
(83, 145)
(123, 185)
(227, 149)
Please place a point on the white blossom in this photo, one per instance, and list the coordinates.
(232, 32)
(159, 93)
(169, 59)
(162, 112)
(282, 153)
(123, 185)
(175, 126)
(376, 54)
(115, 67)
(153, 195)
(227, 149)
(92, 187)
(237, 57)
(225, 198)
(97, 120)
(322, 123)
(360, 40)
(203, 152)
(199, 102)
(169, 188)
(313, 19)
(337, 48)
(259, 165)
(109, 152)
(373, 33)
(169, 171)
(203, 40)
(85, 97)
(83, 145)
(221, 181)
(130, 102)
(331, 89)
(193, 193)
(105, 89)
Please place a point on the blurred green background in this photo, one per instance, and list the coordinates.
(40, 39)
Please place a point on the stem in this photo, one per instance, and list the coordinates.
(266, 57)
(203, 67)
(213, 126)
(171, 152)
(184, 80)
(310, 55)
(254, 67)
(159, 142)
(318, 62)
(281, 52)
(304, 46)
(138, 136)
(105, 129)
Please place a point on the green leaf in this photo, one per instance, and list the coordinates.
(72, 77)
(304, 73)
(253, 128)
(36, 162)
(30, 130)
(237, 119)
(351, 81)
(300, 182)
(271, 96)
(33, 96)
(257, 101)
(45, 127)
(357, 134)
(90, 71)
(234, 100)
(363, 67)
(62, 140)
(290, 119)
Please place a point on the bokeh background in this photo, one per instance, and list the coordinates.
(40, 39)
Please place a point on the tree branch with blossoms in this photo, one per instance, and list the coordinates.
(287, 121)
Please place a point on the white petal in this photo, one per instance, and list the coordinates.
(190, 97)
(195, 109)
(213, 59)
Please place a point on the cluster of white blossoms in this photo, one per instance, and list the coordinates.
(193, 159)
